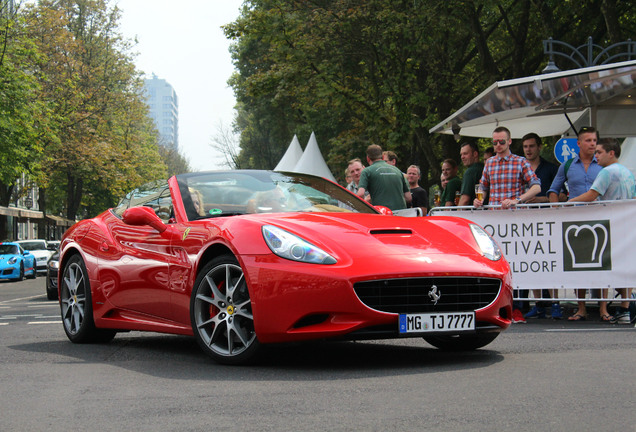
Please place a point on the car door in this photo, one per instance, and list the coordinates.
(134, 268)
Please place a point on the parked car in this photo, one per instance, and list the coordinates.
(39, 249)
(53, 245)
(240, 259)
(15, 262)
(51, 276)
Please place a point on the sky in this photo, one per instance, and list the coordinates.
(185, 45)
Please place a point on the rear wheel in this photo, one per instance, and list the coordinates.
(221, 313)
(466, 342)
(76, 306)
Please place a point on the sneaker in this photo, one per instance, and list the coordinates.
(535, 312)
(557, 313)
(517, 317)
(620, 317)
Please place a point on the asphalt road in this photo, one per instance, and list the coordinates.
(545, 375)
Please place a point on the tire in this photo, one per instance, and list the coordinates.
(35, 273)
(221, 313)
(76, 306)
(466, 342)
(51, 294)
(20, 277)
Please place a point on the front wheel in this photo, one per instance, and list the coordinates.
(467, 342)
(76, 306)
(20, 274)
(221, 313)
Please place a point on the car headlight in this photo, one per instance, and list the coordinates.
(489, 248)
(292, 247)
(54, 264)
(12, 260)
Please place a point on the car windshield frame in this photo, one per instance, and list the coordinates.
(229, 193)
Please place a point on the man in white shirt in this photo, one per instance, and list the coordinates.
(613, 182)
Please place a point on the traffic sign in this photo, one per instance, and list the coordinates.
(566, 148)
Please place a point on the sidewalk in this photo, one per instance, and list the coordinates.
(569, 309)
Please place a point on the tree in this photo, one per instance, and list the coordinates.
(23, 117)
(104, 141)
(387, 71)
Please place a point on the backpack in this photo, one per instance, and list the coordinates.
(567, 167)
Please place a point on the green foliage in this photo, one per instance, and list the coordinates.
(101, 142)
(380, 71)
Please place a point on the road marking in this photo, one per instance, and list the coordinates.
(18, 299)
(590, 329)
(44, 322)
(3, 324)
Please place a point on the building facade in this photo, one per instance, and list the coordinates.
(164, 109)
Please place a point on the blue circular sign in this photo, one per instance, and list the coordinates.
(566, 148)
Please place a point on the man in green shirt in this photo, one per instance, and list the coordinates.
(469, 154)
(386, 184)
(449, 169)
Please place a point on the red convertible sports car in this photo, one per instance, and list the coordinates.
(240, 259)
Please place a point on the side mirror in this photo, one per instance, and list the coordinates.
(384, 210)
(25, 253)
(139, 216)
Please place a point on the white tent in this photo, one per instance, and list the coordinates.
(291, 157)
(312, 162)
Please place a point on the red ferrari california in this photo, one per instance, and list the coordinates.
(240, 259)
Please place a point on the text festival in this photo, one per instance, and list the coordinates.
(527, 247)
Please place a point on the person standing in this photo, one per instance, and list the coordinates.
(579, 173)
(488, 153)
(506, 176)
(582, 171)
(389, 157)
(354, 169)
(505, 179)
(386, 184)
(469, 154)
(613, 182)
(418, 193)
(454, 185)
(546, 172)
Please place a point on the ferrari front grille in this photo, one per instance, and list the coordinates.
(421, 295)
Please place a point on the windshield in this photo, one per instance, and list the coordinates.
(33, 245)
(215, 194)
(7, 249)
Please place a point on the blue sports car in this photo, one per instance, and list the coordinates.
(15, 262)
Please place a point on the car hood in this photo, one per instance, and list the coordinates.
(39, 253)
(368, 237)
(7, 256)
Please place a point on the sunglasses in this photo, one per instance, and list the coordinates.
(499, 142)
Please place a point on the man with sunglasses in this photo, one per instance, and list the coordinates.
(505, 179)
(506, 176)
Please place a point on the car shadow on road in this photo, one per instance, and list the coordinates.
(179, 357)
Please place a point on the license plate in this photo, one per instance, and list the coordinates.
(437, 322)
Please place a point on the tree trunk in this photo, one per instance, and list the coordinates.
(73, 195)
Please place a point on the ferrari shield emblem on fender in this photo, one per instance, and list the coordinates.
(185, 234)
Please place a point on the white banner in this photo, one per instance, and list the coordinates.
(566, 246)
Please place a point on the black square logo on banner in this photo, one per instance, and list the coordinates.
(587, 246)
